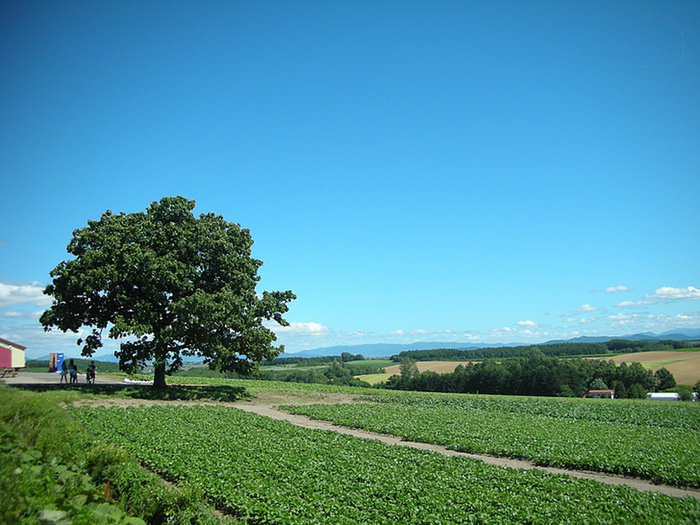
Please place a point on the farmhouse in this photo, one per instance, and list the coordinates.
(600, 394)
(11, 358)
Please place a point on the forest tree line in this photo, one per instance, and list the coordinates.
(614, 346)
(345, 357)
(536, 375)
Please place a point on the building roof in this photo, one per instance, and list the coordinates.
(6, 342)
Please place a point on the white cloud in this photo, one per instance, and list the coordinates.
(668, 293)
(617, 289)
(587, 308)
(629, 304)
(655, 322)
(581, 320)
(32, 293)
(527, 323)
(12, 314)
(301, 328)
(621, 317)
(663, 295)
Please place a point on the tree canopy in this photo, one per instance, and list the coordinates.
(532, 375)
(173, 285)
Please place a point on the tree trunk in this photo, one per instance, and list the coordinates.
(159, 375)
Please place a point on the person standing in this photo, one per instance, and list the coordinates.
(73, 370)
(64, 372)
(91, 372)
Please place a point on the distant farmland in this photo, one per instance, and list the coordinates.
(684, 365)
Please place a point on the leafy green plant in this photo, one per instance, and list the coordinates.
(53, 471)
(628, 438)
(267, 471)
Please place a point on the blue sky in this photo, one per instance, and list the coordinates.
(414, 171)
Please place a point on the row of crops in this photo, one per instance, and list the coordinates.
(660, 442)
(269, 471)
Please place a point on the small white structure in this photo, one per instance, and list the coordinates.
(669, 396)
(664, 396)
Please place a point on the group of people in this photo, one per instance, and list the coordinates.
(70, 370)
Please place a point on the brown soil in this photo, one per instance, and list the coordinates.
(266, 405)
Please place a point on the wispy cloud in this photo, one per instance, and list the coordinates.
(630, 304)
(310, 328)
(663, 295)
(15, 294)
(655, 322)
(527, 323)
(12, 314)
(585, 308)
(582, 320)
(617, 289)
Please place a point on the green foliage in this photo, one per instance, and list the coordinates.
(637, 391)
(41, 472)
(598, 384)
(532, 375)
(686, 392)
(663, 380)
(36, 489)
(345, 357)
(173, 284)
(337, 373)
(408, 368)
(268, 471)
(53, 471)
(637, 439)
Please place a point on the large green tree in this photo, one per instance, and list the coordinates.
(171, 285)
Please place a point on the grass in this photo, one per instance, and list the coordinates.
(653, 365)
(374, 379)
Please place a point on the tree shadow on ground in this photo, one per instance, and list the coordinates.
(172, 393)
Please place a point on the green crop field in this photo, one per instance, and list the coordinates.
(254, 469)
(268, 471)
(652, 441)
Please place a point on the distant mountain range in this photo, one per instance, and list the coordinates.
(380, 350)
(383, 350)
